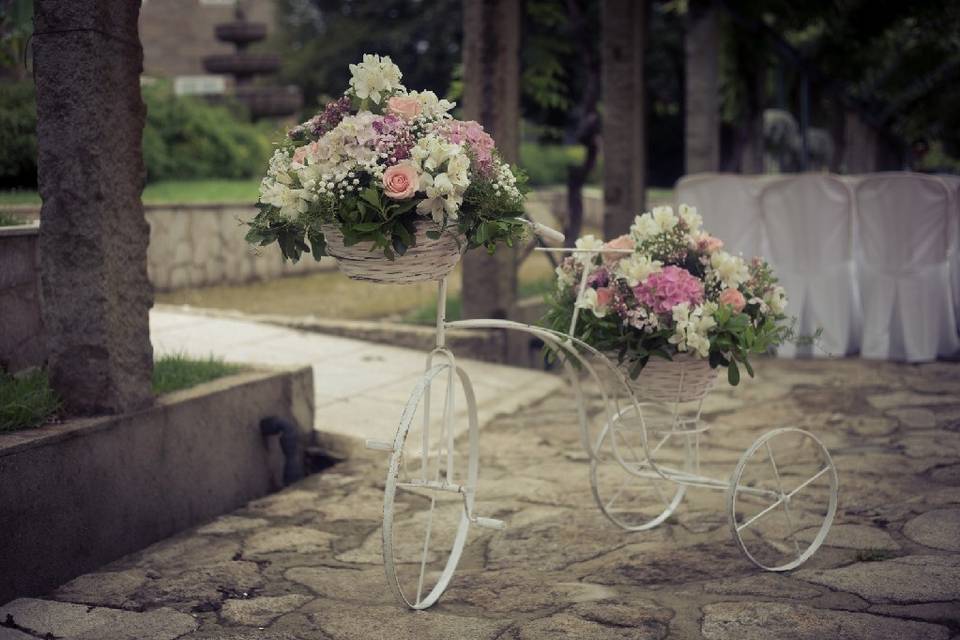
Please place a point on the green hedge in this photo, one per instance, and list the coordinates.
(184, 138)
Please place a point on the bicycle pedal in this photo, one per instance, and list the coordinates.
(379, 445)
(490, 523)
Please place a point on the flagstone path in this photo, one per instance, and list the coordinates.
(304, 563)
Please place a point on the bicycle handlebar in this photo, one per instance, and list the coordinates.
(545, 232)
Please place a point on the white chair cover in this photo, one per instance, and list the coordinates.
(953, 184)
(728, 204)
(808, 221)
(904, 239)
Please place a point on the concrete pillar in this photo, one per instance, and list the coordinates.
(93, 236)
(624, 137)
(702, 101)
(491, 96)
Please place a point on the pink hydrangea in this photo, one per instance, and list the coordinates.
(664, 290)
(477, 140)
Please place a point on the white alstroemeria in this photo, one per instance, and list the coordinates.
(693, 219)
(588, 246)
(664, 217)
(434, 207)
(588, 300)
(729, 270)
(290, 202)
(643, 228)
(777, 300)
(636, 268)
(433, 107)
(692, 327)
(374, 77)
(458, 169)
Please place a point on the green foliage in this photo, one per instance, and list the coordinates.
(18, 135)
(186, 138)
(174, 372)
(547, 164)
(26, 400)
(319, 38)
(10, 220)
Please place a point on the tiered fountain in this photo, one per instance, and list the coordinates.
(264, 101)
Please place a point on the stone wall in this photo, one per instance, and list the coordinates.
(77, 495)
(201, 245)
(22, 342)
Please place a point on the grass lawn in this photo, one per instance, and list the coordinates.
(171, 192)
(26, 401)
(174, 372)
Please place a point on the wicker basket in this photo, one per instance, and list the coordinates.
(683, 379)
(428, 259)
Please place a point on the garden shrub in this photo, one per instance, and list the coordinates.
(546, 164)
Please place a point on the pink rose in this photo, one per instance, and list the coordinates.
(400, 181)
(301, 153)
(621, 243)
(733, 298)
(604, 297)
(404, 106)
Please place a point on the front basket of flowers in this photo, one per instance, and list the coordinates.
(670, 306)
(387, 182)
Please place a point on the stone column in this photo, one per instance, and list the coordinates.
(624, 137)
(491, 96)
(702, 128)
(93, 236)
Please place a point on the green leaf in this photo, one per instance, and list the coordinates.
(372, 196)
(433, 235)
(733, 373)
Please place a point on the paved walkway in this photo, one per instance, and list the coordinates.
(361, 387)
(305, 563)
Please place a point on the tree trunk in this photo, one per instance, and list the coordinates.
(624, 141)
(491, 96)
(93, 235)
(702, 46)
(588, 125)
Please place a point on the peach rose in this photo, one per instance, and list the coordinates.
(301, 153)
(400, 181)
(733, 298)
(604, 297)
(709, 244)
(404, 107)
(622, 242)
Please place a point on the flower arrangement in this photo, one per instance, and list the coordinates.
(379, 162)
(666, 289)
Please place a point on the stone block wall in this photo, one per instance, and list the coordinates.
(21, 325)
(202, 245)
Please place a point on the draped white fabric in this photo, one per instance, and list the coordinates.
(873, 260)
(809, 227)
(905, 236)
(729, 205)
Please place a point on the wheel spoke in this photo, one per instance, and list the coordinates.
(760, 515)
(786, 503)
(618, 493)
(426, 549)
(808, 482)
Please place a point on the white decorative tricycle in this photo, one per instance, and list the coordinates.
(780, 499)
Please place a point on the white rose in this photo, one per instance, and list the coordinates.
(777, 300)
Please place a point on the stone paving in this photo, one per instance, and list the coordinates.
(305, 563)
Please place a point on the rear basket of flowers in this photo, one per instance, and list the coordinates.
(670, 306)
(388, 183)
